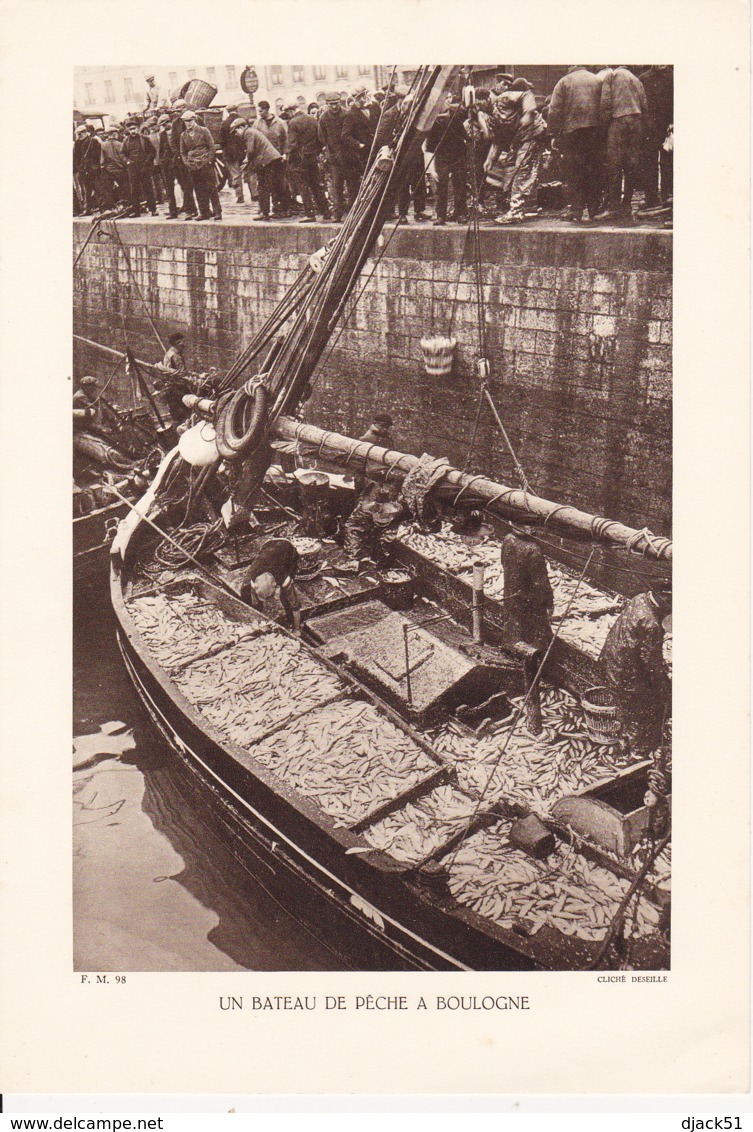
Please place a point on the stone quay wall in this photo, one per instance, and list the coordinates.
(578, 329)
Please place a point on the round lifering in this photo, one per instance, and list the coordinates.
(235, 432)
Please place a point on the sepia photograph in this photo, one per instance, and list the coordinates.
(372, 517)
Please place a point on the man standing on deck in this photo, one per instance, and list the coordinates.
(272, 575)
(528, 595)
(633, 669)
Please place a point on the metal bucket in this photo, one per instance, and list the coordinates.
(314, 486)
(396, 589)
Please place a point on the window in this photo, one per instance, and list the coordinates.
(341, 72)
(211, 75)
(109, 92)
(192, 72)
(128, 87)
(320, 73)
(173, 79)
(230, 79)
(89, 87)
(364, 69)
(276, 76)
(298, 75)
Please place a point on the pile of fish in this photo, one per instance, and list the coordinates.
(181, 627)
(565, 891)
(348, 758)
(590, 617)
(257, 686)
(418, 828)
(535, 770)
(265, 692)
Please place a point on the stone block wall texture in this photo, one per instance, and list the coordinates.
(578, 328)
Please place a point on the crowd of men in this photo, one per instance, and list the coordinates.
(604, 135)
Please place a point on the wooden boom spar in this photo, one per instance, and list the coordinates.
(360, 455)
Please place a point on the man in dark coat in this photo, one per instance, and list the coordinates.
(447, 141)
(139, 155)
(197, 153)
(266, 162)
(528, 595)
(358, 131)
(633, 669)
(86, 164)
(339, 167)
(182, 172)
(658, 83)
(167, 160)
(304, 148)
(233, 151)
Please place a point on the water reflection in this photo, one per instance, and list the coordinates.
(155, 888)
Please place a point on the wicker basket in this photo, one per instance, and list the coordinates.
(438, 355)
(199, 93)
(600, 710)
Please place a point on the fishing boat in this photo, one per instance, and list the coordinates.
(413, 784)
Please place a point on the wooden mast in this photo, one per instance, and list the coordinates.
(362, 455)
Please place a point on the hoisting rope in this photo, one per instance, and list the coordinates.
(90, 235)
(533, 686)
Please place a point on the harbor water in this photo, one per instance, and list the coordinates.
(155, 888)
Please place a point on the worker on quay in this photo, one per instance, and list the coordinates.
(528, 595)
(271, 576)
(633, 669)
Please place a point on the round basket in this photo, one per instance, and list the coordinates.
(600, 711)
(438, 355)
(199, 93)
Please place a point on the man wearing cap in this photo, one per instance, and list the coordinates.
(197, 154)
(150, 130)
(86, 163)
(304, 148)
(272, 575)
(525, 153)
(114, 173)
(138, 153)
(154, 97)
(632, 666)
(166, 161)
(233, 151)
(275, 130)
(339, 169)
(264, 160)
(182, 173)
(358, 133)
(528, 595)
(447, 140)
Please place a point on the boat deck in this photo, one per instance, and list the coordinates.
(443, 794)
